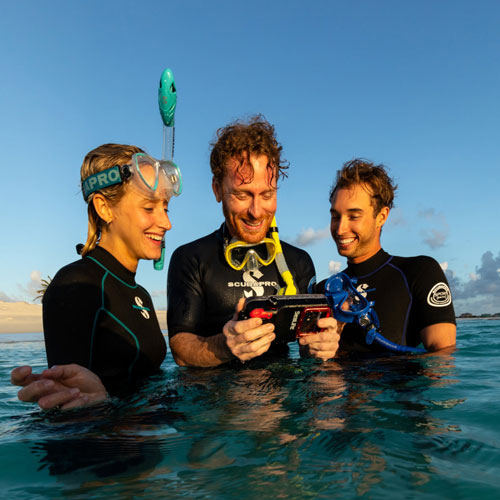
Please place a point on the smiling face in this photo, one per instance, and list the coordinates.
(135, 227)
(248, 207)
(354, 226)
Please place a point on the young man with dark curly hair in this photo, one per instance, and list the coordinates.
(208, 277)
(411, 294)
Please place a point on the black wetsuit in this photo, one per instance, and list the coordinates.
(202, 288)
(96, 315)
(410, 293)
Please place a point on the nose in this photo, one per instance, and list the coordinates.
(339, 226)
(256, 209)
(164, 221)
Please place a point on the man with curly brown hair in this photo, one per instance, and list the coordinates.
(208, 277)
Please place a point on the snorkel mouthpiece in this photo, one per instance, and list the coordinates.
(159, 263)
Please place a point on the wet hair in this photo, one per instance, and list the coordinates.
(374, 178)
(238, 141)
(97, 160)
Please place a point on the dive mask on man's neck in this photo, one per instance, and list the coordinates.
(250, 256)
(164, 176)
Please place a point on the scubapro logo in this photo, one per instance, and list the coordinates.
(362, 288)
(439, 296)
(140, 306)
(250, 280)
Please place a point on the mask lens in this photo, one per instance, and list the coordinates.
(239, 253)
(158, 178)
(170, 171)
(147, 170)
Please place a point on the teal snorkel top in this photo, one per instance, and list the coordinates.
(167, 98)
(167, 102)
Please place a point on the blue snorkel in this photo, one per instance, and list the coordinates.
(339, 290)
(167, 102)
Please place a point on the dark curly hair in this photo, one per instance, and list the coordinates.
(238, 141)
(360, 171)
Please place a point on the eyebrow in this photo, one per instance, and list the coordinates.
(239, 190)
(349, 210)
(153, 199)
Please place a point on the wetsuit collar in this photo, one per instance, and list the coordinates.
(369, 266)
(109, 262)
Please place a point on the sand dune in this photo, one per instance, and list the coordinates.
(22, 317)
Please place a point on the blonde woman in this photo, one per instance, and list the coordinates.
(101, 331)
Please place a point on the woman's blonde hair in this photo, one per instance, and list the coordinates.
(97, 160)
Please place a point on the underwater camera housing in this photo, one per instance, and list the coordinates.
(293, 316)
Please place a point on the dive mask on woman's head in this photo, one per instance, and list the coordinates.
(251, 256)
(151, 177)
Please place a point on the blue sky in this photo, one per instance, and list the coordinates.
(412, 85)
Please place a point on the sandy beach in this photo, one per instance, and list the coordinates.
(23, 317)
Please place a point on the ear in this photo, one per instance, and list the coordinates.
(382, 216)
(217, 189)
(103, 208)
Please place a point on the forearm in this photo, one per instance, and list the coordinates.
(189, 349)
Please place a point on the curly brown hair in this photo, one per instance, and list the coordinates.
(381, 187)
(238, 141)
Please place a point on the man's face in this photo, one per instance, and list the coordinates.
(248, 207)
(354, 226)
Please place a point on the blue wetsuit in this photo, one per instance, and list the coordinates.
(96, 315)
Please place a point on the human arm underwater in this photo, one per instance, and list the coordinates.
(66, 386)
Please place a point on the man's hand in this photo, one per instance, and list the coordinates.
(249, 338)
(322, 345)
(65, 386)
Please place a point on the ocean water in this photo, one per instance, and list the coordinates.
(389, 428)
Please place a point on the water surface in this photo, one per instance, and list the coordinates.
(395, 427)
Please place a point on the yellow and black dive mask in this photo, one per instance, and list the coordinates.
(251, 256)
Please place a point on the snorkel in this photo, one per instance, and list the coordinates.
(167, 102)
(340, 291)
(290, 288)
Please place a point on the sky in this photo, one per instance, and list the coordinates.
(413, 85)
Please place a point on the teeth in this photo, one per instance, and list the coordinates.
(253, 224)
(154, 237)
(346, 241)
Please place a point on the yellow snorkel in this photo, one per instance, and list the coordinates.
(290, 288)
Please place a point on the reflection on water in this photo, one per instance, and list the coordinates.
(391, 427)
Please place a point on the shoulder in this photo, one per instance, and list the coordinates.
(417, 265)
(82, 270)
(294, 252)
(197, 247)
(427, 279)
(78, 281)
(301, 266)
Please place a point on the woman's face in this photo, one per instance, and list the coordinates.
(138, 226)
